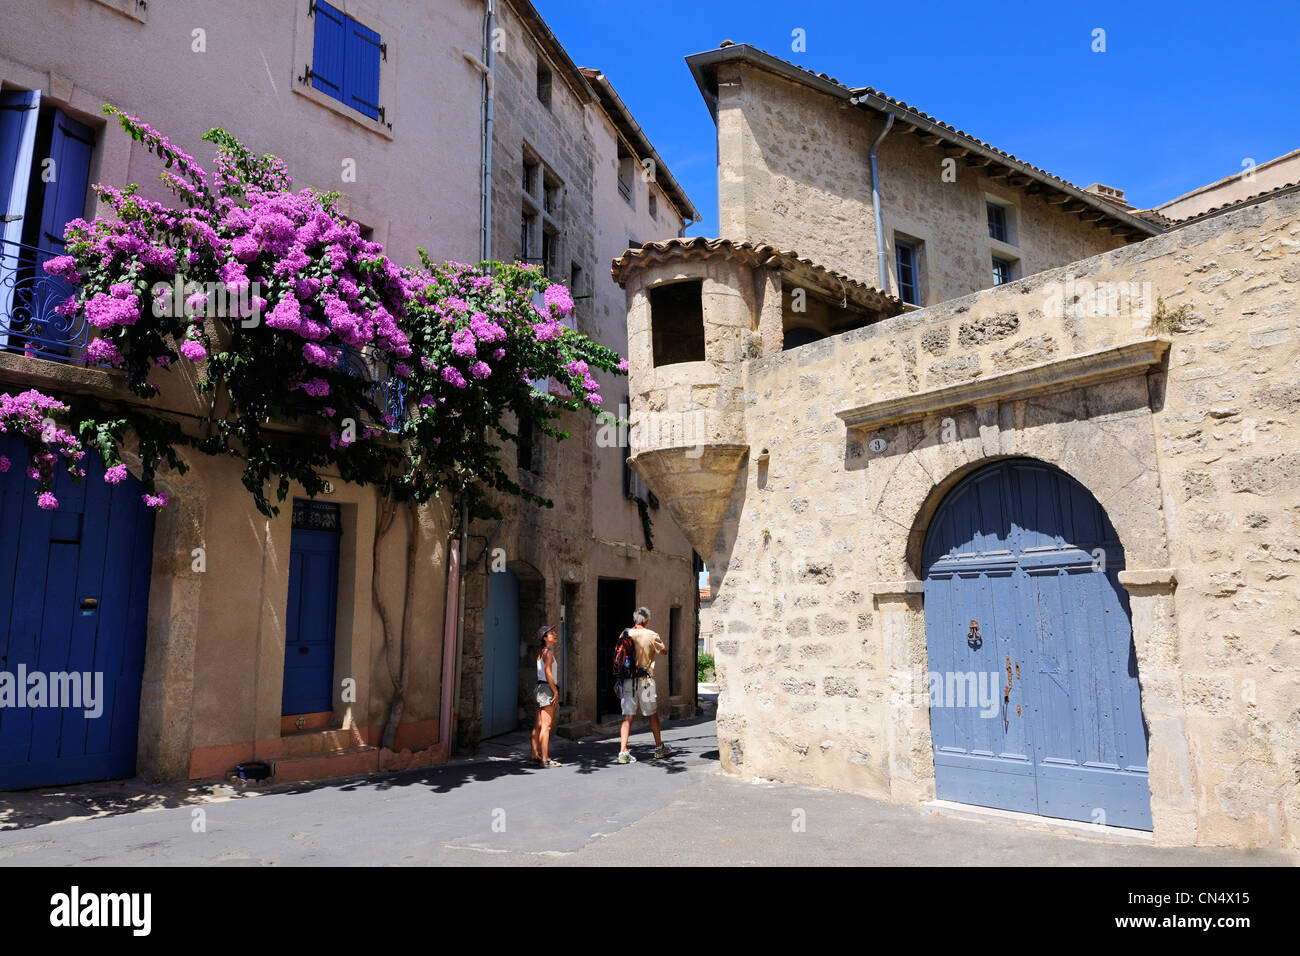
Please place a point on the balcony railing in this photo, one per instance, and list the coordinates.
(29, 324)
(388, 391)
(28, 297)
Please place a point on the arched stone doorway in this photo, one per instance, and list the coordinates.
(1035, 703)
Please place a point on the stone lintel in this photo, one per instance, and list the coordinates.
(1059, 375)
(1149, 580)
(896, 590)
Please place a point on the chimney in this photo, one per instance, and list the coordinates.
(1109, 193)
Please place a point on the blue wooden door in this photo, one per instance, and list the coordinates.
(1035, 704)
(312, 609)
(501, 654)
(74, 596)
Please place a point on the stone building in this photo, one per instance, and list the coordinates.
(1030, 546)
(207, 646)
(575, 181)
(207, 652)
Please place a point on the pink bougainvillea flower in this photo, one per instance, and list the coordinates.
(453, 377)
(4, 464)
(316, 387)
(155, 501)
(64, 267)
(480, 370)
(47, 501)
(193, 350)
(622, 365)
(116, 474)
(557, 297)
(103, 352)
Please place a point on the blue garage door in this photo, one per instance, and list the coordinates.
(74, 593)
(1035, 704)
(501, 654)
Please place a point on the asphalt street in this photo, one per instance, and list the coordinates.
(499, 810)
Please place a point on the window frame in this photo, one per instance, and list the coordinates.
(1010, 270)
(304, 57)
(912, 247)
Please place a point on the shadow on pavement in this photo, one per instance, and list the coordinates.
(507, 755)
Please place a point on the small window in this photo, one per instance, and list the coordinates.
(908, 278)
(1002, 271)
(544, 84)
(997, 222)
(575, 279)
(526, 456)
(527, 231)
(653, 205)
(345, 60)
(626, 173)
(550, 250)
(531, 168)
(551, 199)
(677, 322)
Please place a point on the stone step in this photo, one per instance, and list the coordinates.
(575, 729)
(304, 742)
(346, 762)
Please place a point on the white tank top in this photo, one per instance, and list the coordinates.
(541, 671)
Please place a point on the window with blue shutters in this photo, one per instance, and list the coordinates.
(345, 60)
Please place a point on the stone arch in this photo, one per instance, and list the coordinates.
(1115, 461)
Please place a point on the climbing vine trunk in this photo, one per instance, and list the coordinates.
(395, 640)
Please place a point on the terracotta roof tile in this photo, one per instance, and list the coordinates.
(756, 253)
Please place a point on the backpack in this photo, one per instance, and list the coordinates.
(624, 658)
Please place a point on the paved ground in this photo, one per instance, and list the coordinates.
(498, 810)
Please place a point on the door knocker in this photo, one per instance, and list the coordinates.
(973, 638)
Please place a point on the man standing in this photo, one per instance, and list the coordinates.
(638, 692)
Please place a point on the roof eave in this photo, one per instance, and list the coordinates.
(614, 106)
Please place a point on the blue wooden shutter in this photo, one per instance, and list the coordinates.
(361, 72)
(18, 114)
(327, 54)
(71, 147)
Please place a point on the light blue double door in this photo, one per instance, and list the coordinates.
(1035, 703)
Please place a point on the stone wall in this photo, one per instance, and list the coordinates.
(793, 171)
(592, 531)
(1183, 422)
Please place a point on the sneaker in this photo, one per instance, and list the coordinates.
(663, 751)
(625, 757)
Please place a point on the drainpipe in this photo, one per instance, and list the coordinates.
(486, 66)
(882, 257)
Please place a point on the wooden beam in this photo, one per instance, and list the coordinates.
(1075, 206)
(1003, 174)
(978, 161)
(1093, 217)
(1060, 199)
(931, 140)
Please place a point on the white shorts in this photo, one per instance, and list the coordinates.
(639, 695)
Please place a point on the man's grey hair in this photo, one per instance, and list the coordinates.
(640, 615)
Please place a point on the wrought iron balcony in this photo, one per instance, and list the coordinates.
(388, 391)
(28, 298)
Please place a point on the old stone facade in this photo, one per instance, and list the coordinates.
(831, 459)
(568, 192)
(794, 171)
(214, 669)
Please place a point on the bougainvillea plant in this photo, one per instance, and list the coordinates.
(489, 341)
(29, 417)
(288, 320)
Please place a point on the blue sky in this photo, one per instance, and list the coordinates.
(1182, 95)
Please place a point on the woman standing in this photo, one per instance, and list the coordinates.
(548, 693)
